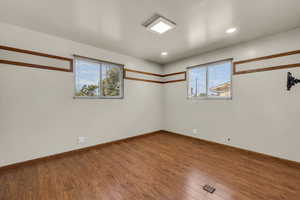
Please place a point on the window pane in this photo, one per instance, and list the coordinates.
(197, 82)
(111, 80)
(219, 80)
(87, 78)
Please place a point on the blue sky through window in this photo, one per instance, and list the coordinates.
(218, 75)
(87, 73)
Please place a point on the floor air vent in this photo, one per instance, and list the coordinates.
(209, 188)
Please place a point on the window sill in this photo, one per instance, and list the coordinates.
(209, 98)
(95, 98)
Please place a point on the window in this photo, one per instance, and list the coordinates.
(212, 80)
(98, 79)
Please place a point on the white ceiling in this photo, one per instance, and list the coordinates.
(116, 24)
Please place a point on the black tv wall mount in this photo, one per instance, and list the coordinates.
(291, 81)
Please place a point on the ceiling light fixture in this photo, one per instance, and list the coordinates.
(159, 24)
(231, 30)
(164, 53)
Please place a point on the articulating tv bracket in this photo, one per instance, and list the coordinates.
(291, 81)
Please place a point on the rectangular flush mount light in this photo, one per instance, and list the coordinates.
(160, 25)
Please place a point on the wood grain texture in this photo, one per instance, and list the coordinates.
(35, 53)
(161, 166)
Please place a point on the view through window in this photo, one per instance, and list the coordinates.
(98, 79)
(210, 80)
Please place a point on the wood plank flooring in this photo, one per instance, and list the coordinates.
(160, 166)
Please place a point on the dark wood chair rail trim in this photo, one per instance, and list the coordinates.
(142, 72)
(266, 58)
(268, 69)
(179, 80)
(173, 74)
(153, 74)
(174, 81)
(35, 53)
(22, 64)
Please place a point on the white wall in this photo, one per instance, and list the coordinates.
(39, 117)
(262, 116)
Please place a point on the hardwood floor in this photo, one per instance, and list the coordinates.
(159, 166)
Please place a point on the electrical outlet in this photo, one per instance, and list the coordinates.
(81, 140)
(228, 139)
(195, 131)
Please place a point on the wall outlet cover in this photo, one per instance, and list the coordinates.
(195, 131)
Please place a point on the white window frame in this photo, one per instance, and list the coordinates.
(206, 65)
(121, 96)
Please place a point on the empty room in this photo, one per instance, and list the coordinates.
(149, 100)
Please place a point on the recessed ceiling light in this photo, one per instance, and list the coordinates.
(160, 25)
(231, 30)
(164, 53)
